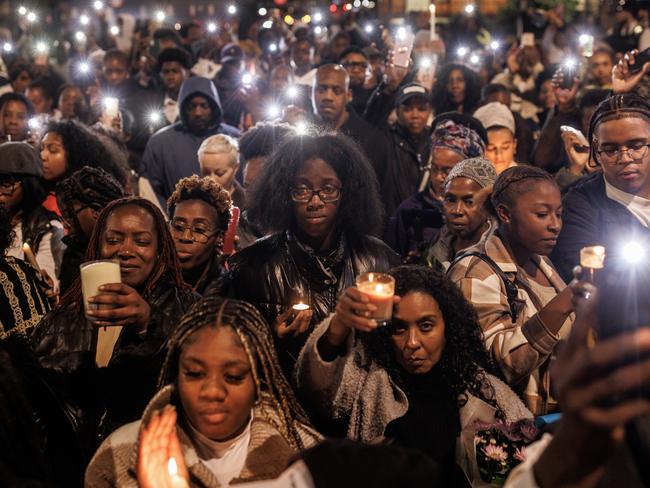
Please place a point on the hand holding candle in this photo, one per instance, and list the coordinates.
(379, 288)
(294, 321)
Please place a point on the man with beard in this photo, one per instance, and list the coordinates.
(171, 153)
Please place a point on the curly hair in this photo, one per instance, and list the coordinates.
(440, 96)
(166, 265)
(515, 181)
(89, 186)
(206, 189)
(254, 333)
(464, 361)
(262, 139)
(84, 148)
(360, 210)
(7, 234)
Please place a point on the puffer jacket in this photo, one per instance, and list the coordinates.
(277, 272)
(65, 344)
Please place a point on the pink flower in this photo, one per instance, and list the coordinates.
(520, 453)
(496, 453)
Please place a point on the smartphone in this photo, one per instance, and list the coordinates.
(229, 238)
(639, 60)
(569, 72)
(527, 39)
(403, 48)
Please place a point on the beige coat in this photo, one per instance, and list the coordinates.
(269, 453)
(356, 389)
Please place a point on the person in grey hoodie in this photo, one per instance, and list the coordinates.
(171, 153)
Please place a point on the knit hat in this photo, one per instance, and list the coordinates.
(459, 138)
(496, 114)
(19, 158)
(480, 170)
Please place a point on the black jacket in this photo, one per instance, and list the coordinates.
(66, 343)
(277, 271)
(73, 256)
(590, 218)
(37, 224)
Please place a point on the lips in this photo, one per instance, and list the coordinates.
(318, 219)
(214, 416)
(128, 268)
(629, 174)
(183, 255)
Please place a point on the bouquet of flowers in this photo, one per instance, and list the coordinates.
(500, 447)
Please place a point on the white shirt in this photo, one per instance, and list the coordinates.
(170, 109)
(638, 206)
(44, 255)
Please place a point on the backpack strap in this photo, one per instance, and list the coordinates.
(511, 288)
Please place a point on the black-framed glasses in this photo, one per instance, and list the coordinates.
(198, 233)
(355, 65)
(327, 194)
(635, 151)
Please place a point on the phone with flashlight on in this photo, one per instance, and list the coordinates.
(403, 48)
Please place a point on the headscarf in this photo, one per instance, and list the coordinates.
(459, 138)
(479, 169)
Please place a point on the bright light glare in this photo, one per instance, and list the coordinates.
(273, 111)
(7, 47)
(462, 51)
(84, 20)
(22, 10)
(31, 17)
(474, 59)
(267, 24)
(247, 79)
(83, 67)
(273, 47)
(425, 63)
(570, 63)
(98, 5)
(469, 9)
(232, 10)
(160, 16)
(292, 92)
(262, 12)
(34, 123)
(633, 252)
(302, 129)
(155, 118)
(368, 28)
(495, 45)
(80, 36)
(585, 39)
(401, 33)
(114, 30)
(318, 30)
(212, 27)
(318, 17)
(41, 47)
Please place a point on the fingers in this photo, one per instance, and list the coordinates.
(119, 288)
(299, 325)
(618, 415)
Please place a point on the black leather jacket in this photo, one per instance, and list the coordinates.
(278, 271)
(65, 344)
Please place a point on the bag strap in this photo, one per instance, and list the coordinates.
(511, 288)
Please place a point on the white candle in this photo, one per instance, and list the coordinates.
(592, 257)
(432, 23)
(29, 256)
(300, 307)
(111, 107)
(177, 480)
(379, 288)
(95, 274)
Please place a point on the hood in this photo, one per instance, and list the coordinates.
(200, 86)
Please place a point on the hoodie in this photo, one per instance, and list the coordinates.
(171, 153)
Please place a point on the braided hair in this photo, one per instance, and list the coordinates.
(255, 336)
(617, 107)
(89, 186)
(516, 181)
(167, 264)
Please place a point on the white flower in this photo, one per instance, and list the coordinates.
(496, 453)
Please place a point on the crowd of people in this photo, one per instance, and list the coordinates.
(247, 174)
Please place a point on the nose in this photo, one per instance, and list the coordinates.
(186, 235)
(213, 390)
(413, 339)
(625, 156)
(126, 250)
(555, 223)
(315, 202)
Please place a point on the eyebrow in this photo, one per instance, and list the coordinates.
(430, 316)
(137, 234)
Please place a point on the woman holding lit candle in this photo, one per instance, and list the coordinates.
(420, 382)
(318, 194)
(226, 413)
(146, 304)
(22, 194)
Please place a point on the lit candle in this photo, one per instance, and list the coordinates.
(29, 256)
(177, 480)
(592, 257)
(432, 23)
(111, 107)
(300, 307)
(379, 288)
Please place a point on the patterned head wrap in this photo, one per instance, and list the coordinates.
(479, 169)
(459, 138)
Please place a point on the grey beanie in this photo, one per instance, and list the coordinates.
(479, 169)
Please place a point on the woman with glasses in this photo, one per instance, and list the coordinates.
(199, 211)
(22, 194)
(318, 197)
(612, 207)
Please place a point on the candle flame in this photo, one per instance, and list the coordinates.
(172, 467)
(26, 248)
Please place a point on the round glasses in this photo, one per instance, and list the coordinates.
(198, 234)
(327, 194)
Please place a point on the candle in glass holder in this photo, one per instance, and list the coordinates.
(379, 288)
(95, 274)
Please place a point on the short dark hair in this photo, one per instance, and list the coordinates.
(352, 50)
(17, 97)
(45, 85)
(606, 50)
(262, 139)
(185, 29)
(493, 89)
(360, 209)
(7, 234)
(166, 33)
(117, 54)
(17, 68)
(176, 54)
(515, 181)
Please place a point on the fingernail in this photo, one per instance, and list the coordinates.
(102, 288)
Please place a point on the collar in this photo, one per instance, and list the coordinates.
(622, 197)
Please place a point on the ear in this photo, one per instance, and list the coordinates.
(504, 213)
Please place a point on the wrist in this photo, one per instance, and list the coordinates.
(336, 333)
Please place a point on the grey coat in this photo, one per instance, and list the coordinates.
(358, 390)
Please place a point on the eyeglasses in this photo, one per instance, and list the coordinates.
(437, 170)
(8, 187)
(199, 234)
(635, 151)
(327, 194)
(355, 65)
